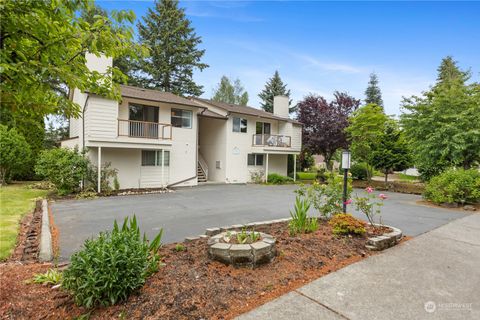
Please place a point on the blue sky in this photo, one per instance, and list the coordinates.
(319, 47)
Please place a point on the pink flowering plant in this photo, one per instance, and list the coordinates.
(326, 198)
(370, 205)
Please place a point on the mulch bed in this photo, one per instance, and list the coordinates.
(394, 186)
(190, 285)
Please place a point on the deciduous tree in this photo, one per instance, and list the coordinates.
(365, 131)
(443, 124)
(230, 92)
(15, 153)
(43, 46)
(324, 123)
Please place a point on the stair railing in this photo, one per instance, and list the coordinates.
(203, 165)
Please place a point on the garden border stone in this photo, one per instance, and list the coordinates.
(254, 254)
(385, 240)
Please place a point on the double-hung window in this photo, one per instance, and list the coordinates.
(239, 125)
(154, 158)
(181, 118)
(255, 159)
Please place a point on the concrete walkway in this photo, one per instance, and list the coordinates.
(433, 276)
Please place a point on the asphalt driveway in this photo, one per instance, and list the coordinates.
(187, 212)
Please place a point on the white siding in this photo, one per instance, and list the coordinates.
(277, 163)
(151, 177)
(212, 142)
(101, 118)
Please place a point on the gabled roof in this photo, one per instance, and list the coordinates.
(234, 108)
(156, 95)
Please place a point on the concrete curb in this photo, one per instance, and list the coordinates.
(46, 252)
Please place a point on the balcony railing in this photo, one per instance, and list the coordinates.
(144, 129)
(272, 140)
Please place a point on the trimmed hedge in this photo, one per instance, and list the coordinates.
(306, 175)
(275, 178)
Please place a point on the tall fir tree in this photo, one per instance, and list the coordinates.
(174, 53)
(274, 87)
(230, 92)
(373, 95)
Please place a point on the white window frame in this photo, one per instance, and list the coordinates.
(240, 125)
(158, 158)
(256, 155)
(185, 112)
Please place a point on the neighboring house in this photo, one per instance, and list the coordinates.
(157, 139)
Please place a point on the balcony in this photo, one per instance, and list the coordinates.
(144, 129)
(272, 140)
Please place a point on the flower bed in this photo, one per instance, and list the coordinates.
(191, 285)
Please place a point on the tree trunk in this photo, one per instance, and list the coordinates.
(328, 162)
(386, 178)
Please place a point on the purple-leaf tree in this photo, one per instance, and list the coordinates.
(324, 123)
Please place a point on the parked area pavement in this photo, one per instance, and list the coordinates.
(433, 276)
(187, 212)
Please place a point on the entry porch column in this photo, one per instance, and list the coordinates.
(99, 170)
(266, 170)
(294, 167)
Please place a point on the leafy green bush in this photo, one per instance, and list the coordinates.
(454, 186)
(63, 167)
(326, 198)
(275, 178)
(14, 155)
(306, 175)
(300, 222)
(360, 171)
(112, 266)
(344, 223)
(52, 276)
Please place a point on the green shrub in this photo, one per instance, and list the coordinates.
(326, 198)
(360, 171)
(52, 276)
(300, 222)
(180, 247)
(454, 186)
(112, 266)
(306, 175)
(344, 223)
(275, 178)
(65, 168)
(15, 153)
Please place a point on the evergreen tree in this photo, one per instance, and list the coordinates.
(228, 92)
(373, 95)
(174, 52)
(273, 87)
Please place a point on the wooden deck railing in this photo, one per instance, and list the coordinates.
(272, 140)
(144, 129)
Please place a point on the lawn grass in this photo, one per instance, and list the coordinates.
(406, 177)
(15, 201)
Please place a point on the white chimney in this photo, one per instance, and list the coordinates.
(280, 106)
(100, 64)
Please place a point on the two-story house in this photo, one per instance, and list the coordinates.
(157, 139)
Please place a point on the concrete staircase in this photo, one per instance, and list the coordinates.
(201, 175)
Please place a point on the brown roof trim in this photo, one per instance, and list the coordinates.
(211, 114)
(156, 96)
(246, 110)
